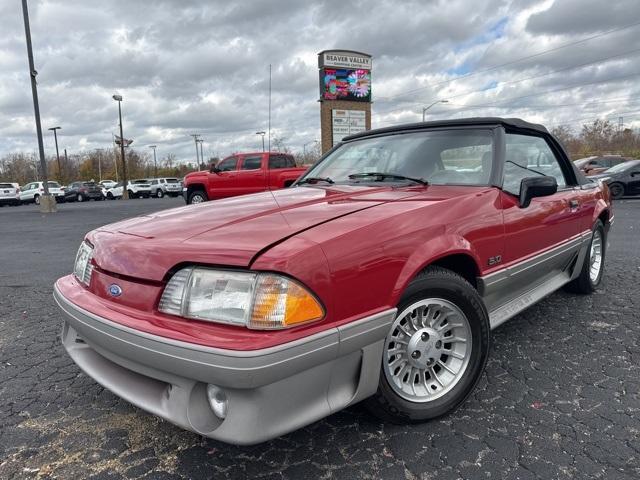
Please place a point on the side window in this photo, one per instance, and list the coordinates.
(252, 163)
(528, 156)
(228, 164)
(281, 161)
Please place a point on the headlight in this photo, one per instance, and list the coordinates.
(255, 300)
(82, 267)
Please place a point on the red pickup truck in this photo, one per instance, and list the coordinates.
(240, 174)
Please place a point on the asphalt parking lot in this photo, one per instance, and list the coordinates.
(560, 397)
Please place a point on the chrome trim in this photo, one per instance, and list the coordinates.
(514, 288)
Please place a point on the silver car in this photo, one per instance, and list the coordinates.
(165, 186)
(31, 192)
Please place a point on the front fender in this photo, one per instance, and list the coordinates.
(428, 253)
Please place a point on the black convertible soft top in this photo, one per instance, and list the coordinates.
(515, 123)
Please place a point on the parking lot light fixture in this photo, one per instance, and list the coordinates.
(55, 136)
(125, 193)
(424, 110)
(263, 134)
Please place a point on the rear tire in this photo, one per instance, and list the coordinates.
(439, 312)
(36, 199)
(80, 198)
(592, 269)
(197, 196)
(159, 193)
(617, 190)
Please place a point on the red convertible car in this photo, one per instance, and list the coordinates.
(377, 276)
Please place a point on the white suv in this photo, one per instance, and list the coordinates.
(136, 189)
(9, 194)
(166, 186)
(31, 192)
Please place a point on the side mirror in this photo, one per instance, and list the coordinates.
(532, 187)
(214, 169)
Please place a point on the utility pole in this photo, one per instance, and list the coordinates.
(125, 192)
(66, 160)
(155, 163)
(47, 203)
(195, 139)
(201, 141)
(55, 136)
(269, 108)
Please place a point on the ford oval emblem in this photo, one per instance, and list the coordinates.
(115, 290)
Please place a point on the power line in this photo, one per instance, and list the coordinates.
(512, 62)
(510, 82)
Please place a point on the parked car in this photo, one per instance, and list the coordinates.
(240, 174)
(623, 179)
(595, 165)
(83, 191)
(165, 186)
(136, 188)
(9, 194)
(107, 184)
(31, 192)
(378, 276)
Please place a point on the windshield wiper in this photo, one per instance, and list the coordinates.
(382, 175)
(525, 168)
(314, 180)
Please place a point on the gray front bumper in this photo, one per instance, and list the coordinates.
(270, 391)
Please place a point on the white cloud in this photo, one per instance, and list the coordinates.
(189, 66)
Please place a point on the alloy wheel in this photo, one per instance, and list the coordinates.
(595, 257)
(428, 350)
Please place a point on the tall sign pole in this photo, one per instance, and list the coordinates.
(47, 203)
(345, 95)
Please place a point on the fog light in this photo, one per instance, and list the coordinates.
(218, 401)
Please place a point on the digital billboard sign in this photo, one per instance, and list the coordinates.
(345, 84)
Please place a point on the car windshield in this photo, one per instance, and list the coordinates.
(621, 167)
(443, 157)
(172, 180)
(140, 181)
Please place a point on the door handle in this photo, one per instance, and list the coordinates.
(574, 204)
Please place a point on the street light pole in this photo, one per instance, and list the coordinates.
(55, 136)
(47, 203)
(424, 110)
(195, 139)
(304, 147)
(262, 134)
(125, 186)
(155, 163)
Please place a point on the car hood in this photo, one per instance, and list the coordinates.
(226, 232)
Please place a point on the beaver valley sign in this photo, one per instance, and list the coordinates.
(345, 59)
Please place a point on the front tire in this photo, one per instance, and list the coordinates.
(617, 190)
(159, 193)
(592, 269)
(80, 198)
(197, 196)
(435, 351)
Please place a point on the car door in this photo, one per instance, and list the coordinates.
(27, 192)
(632, 180)
(224, 182)
(251, 175)
(541, 239)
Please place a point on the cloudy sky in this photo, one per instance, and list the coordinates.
(186, 66)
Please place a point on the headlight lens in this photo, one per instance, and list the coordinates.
(255, 300)
(82, 267)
